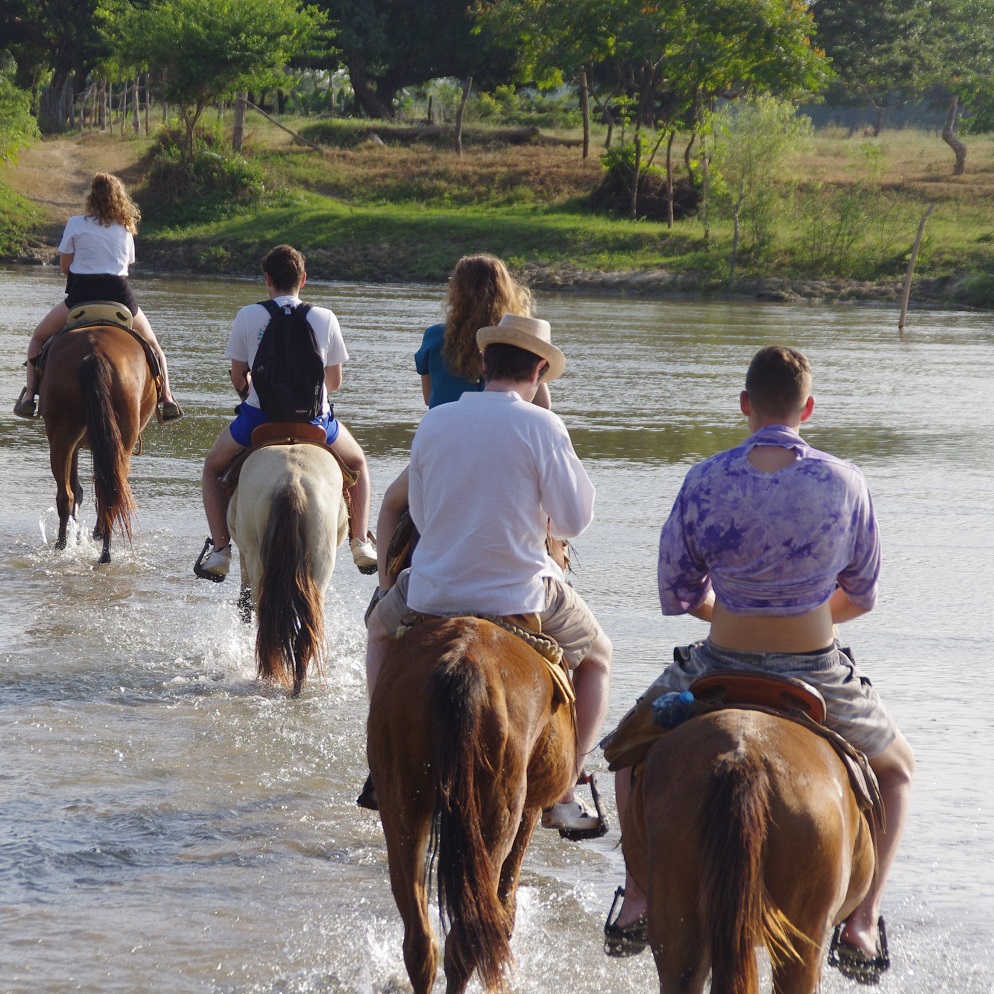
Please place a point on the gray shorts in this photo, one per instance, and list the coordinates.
(852, 704)
(566, 617)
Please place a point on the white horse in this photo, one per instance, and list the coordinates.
(288, 518)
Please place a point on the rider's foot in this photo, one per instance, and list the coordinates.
(628, 939)
(215, 565)
(171, 411)
(364, 555)
(26, 407)
(572, 816)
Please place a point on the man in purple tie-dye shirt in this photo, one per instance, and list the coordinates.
(774, 543)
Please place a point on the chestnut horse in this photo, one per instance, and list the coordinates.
(97, 392)
(743, 831)
(468, 739)
(288, 517)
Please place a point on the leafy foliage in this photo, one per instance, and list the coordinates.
(205, 50)
(17, 126)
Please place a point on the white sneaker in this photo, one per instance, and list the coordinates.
(214, 566)
(363, 555)
(572, 816)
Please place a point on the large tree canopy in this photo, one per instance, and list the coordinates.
(205, 50)
(390, 44)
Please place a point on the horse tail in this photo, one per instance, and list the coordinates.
(467, 885)
(115, 502)
(736, 908)
(291, 606)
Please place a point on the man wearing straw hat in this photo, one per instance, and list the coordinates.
(489, 474)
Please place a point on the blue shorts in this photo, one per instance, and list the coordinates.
(249, 418)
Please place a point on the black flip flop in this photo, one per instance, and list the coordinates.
(856, 965)
(624, 940)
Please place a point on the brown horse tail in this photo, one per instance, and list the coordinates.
(291, 608)
(736, 909)
(467, 884)
(110, 459)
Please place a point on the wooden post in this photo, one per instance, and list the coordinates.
(906, 295)
(238, 125)
(585, 110)
(467, 86)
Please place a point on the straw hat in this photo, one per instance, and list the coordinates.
(532, 335)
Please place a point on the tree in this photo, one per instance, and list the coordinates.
(752, 144)
(17, 126)
(875, 47)
(207, 50)
(51, 41)
(668, 59)
(390, 44)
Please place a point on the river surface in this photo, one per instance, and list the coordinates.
(167, 824)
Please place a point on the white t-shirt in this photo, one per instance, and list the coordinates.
(97, 248)
(250, 323)
(487, 473)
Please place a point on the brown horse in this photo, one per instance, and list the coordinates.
(98, 392)
(743, 831)
(468, 740)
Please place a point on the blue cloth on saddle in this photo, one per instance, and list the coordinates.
(249, 418)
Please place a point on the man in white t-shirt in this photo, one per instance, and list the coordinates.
(490, 475)
(285, 275)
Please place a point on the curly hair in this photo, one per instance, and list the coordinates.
(481, 292)
(108, 203)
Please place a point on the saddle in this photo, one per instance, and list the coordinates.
(285, 433)
(101, 313)
(783, 697)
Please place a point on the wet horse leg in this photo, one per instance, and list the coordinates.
(406, 847)
(63, 460)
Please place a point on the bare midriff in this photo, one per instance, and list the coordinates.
(772, 633)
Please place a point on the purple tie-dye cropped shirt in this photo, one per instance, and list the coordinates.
(769, 543)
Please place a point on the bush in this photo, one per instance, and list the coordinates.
(213, 185)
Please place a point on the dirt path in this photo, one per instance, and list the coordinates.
(55, 174)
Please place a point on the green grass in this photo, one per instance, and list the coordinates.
(19, 218)
(406, 210)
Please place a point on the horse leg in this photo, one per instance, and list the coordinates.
(62, 458)
(406, 845)
(507, 888)
(678, 949)
(793, 976)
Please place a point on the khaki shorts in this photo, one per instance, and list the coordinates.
(852, 704)
(566, 617)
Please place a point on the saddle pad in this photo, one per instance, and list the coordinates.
(101, 312)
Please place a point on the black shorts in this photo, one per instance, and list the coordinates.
(83, 287)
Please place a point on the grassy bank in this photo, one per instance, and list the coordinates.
(381, 208)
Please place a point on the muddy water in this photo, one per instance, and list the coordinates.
(167, 824)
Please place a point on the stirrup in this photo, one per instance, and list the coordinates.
(198, 565)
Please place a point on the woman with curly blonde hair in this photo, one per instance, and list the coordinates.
(481, 292)
(95, 253)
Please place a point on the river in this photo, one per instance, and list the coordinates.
(169, 825)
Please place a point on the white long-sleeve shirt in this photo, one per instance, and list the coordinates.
(487, 474)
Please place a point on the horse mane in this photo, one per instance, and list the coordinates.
(734, 900)
(466, 896)
(115, 501)
(287, 591)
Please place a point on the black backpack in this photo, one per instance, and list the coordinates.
(288, 371)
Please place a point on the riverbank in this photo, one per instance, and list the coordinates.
(391, 213)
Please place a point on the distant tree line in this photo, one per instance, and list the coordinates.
(652, 67)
